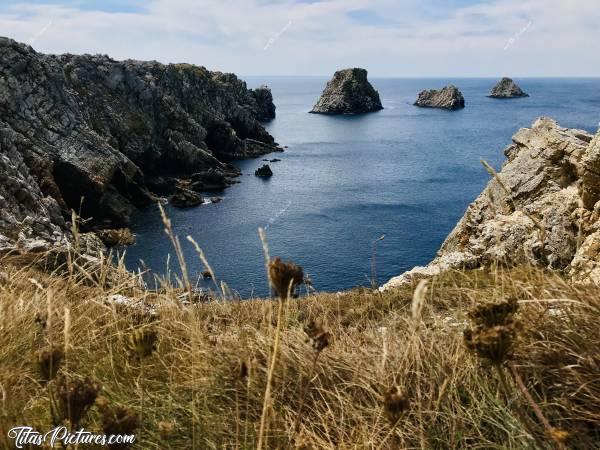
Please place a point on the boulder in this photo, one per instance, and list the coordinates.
(185, 198)
(542, 209)
(449, 97)
(348, 92)
(507, 88)
(116, 237)
(264, 171)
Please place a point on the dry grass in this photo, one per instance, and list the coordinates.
(360, 370)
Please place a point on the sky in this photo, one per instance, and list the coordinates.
(390, 38)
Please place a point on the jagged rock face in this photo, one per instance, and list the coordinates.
(89, 126)
(264, 103)
(543, 209)
(348, 92)
(507, 88)
(449, 97)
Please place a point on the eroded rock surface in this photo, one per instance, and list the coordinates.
(507, 88)
(90, 127)
(542, 209)
(348, 92)
(449, 97)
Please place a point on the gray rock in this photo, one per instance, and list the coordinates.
(264, 171)
(185, 198)
(348, 92)
(90, 127)
(448, 97)
(507, 88)
(544, 211)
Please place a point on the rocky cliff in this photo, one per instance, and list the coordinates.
(348, 92)
(114, 133)
(507, 88)
(542, 208)
(449, 97)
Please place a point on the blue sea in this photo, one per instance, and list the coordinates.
(343, 182)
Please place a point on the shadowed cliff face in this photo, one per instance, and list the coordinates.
(89, 126)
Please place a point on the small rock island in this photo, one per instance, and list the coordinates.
(348, 92)
(507, 88)
(448, 97)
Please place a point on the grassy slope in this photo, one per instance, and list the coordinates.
(204, 385)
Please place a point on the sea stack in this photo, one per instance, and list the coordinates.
(448, 97)
(348, 92)
(507, 88)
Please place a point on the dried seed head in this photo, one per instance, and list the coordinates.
(494, 334)
(166, 428)
(75, 398)
(118, 420)
(493, 314)
(47, 362)
(320, 337)
(285, 277)
(142, 342)
(495, 344)
(395, 403)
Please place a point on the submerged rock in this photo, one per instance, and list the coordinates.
(543, 210)
(348, 92)
(507, 88)
(448, 97)
(112, 132)
(264, 171)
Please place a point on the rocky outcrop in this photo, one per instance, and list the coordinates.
(542, 209)
(448, 97)
(92, 128)
(264, 171)
(348, 92)
(507, 88)
(185, 198)
(265, 108)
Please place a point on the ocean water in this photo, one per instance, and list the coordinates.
(405, 172)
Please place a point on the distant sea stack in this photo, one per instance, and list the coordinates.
(507, 88)
(348, 92)
(448, 97)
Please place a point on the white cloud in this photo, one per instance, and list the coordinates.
(415, 39)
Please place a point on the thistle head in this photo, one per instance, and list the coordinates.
(285, 277)
(118, 420)
(320, 337)
(395, 404)
(494, 333)
(75, 398)
(142, 342)
(47, 362)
